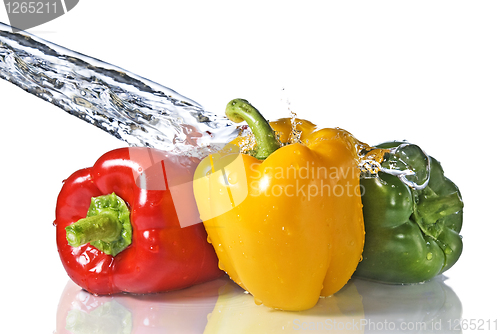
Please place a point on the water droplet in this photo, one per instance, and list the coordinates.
(232, 178)
(257, 301)
(429, 256)
(221, 266)
(448, 250)
(208, 239)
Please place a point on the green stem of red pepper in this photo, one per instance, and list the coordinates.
(239, 110)
(101, 227)
(106, 227)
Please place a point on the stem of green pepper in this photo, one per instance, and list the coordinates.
(107, 226)
(239, 110)
(104, 226)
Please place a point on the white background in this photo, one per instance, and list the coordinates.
(425, 71)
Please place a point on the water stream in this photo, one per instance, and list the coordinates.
(131, 108)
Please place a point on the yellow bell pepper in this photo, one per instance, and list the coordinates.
(286, 219)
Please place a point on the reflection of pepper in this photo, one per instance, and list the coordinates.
(412, 234)
(180, 311)
(430, 305)
(286, 223)
(235, 312)
(144, 250)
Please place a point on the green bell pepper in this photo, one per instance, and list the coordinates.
(412, 222)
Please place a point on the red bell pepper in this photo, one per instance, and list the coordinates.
(130, 224)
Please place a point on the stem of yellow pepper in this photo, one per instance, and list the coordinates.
(239, 110)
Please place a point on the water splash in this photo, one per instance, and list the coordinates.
(295, 133)
(247, 142)
(131, 108)
(396, 161)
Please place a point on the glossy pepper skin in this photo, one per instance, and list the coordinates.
(278, 228)
(412, 234)
(162, 255)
